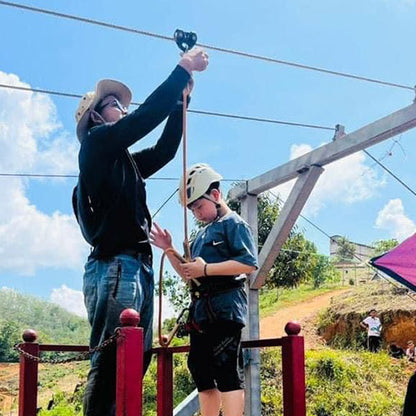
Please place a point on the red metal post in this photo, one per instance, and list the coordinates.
(293, 365)
(129, 365)
(28, 375)
(164, 382)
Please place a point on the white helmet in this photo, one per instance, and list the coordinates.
(199, 178)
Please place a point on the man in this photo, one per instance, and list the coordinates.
(110, 205)
(373, 325)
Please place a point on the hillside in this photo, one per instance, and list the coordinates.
(52, 323)
(339, 325)
(339, 382)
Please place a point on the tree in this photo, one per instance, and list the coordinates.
(345, 249)
(324, 271)
(9, 336)
(382, 246)
(297, 258)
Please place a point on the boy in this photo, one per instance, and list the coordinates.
(222, 251)
(110, 205)
(373, 325)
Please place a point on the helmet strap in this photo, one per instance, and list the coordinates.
(217, 205)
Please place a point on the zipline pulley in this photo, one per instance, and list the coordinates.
(185, 40)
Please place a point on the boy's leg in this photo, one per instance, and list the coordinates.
(233, 403)
(209, 402)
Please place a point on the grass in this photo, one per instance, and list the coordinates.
(378, 294)
(272, 300)
(341, 383)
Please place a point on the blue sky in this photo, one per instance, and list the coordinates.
(41, 248)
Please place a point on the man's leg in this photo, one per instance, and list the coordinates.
(371, 344)
(112, 288)
(144, 305)
(377, 344)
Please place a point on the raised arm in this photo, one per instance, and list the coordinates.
(116, 137)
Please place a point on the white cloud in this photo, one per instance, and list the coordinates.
(69, 299)
(393, 219)
(347, 180)
(167, 309)
(32, 140)
(73, 301)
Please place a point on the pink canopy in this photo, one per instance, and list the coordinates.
(400, 263)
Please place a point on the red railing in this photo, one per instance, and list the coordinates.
(130, 368)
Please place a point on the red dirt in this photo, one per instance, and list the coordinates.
(304, 312)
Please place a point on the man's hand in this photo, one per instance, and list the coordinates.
(194, 269)
(189, 87)
(160, 238)
(194, 60)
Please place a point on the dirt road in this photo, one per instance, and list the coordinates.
(304, 312)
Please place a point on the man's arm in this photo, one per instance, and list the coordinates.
(153, 158)
(120, 135)
(111, 139)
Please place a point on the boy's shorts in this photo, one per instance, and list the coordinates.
(215, 359)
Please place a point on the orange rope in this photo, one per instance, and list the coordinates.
(186, 247)
(165, 340)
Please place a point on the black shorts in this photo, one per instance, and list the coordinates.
(215, 358)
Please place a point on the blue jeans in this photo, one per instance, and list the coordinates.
(110, 286)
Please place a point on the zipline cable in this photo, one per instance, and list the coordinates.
(52, 175)
(354, 255)
(206, 46)
(201, 112)
(390, 172)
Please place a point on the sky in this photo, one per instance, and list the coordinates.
(41, 248)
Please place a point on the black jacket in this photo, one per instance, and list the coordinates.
(109, 200)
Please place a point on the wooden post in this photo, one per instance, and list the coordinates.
(28, 375)
(293, 365)
(164, 382)
(129, 365)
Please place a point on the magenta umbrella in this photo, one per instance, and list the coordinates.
(399, 263)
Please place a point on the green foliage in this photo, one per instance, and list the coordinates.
(52, 323)
(182, 381)
(9, 336)
(345, 249)
(324, 271)
(176, 291)
(271, 300)
(64, 405)
(382, 246)
(339, 383)
(298, 260)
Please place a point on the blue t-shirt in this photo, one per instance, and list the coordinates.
(228, 238)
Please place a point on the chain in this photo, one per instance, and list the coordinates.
(79, 357)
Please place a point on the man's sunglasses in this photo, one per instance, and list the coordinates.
(113, 103)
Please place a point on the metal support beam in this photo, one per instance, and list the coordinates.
(252, 330)
(382, 129)
(284, 223)
(188, 406)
